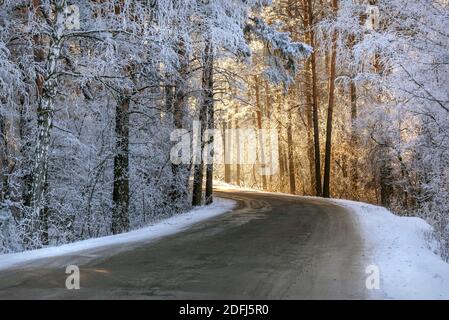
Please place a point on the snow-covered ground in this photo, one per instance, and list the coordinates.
(399, 246)
(163, 228)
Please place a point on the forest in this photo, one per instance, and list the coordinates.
(95, 95)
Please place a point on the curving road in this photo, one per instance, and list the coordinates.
(271, 247)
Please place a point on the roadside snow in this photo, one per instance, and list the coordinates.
(409, 269)
(163, 228)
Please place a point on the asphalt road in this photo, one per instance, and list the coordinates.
(270, 247)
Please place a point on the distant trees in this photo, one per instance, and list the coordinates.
(280, 65)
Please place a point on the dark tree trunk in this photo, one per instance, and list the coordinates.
(354, 142)
(386, 188)
(44, 216)
(198, 169)
(209, 101)
(3, 160)
(280, 159)
(180, 179)
(316, 129)
(197, 193)
(227, 147)
(285, 159)
(268, 115)
(120, 195)
(309, 117)
(282, 169)
(385, 170)
(27, 179)
(291, 163)
(330, 111)
(168, 98)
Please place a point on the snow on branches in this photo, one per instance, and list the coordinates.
(283, 54)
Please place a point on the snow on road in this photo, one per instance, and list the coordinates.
(399, 246)
(160, 229)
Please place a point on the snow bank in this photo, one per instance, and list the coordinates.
(163, 228)
(409, 269)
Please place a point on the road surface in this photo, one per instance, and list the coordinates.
(271, 247)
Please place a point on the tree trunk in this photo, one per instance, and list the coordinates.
(238, 148)
(260, 136)
(309, 118)
(44, 215)
(386, 188)
(291, 163)
(180, 179)
(120, 195)
(268, 115)
(46, 87)
(209, 100)
(227, 147)
(27, 178)
(330, 110)
(205, 106)
(282, 168)
(354, 143)
(385, 170)
(197, 190)
(168, 92)
(316, 129)
(3, 160)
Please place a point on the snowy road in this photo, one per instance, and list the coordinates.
(270, 247)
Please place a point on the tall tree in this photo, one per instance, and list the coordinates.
(291, 160)
(330, 109)
(309, 22)
(354, 144)
(3, 160)
(205, 106)
(46, 83)
(180, 171)
(120, 194)
(310, 125)
(209, 102)
(260, 136)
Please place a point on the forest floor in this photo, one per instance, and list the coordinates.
(271, 246)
